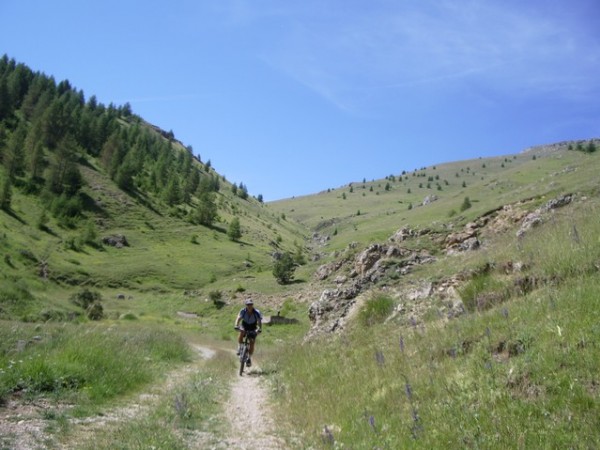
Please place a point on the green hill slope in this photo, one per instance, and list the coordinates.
(76, 174)
(431, 197)
(449, 306)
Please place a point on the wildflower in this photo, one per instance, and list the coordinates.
(408, 391)
(402, 344)
(505, 313)
(417, 427)
(372, 422)
(380, 358)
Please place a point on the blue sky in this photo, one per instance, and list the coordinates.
(294, 97)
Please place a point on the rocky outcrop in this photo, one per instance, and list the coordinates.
(117, 240)
(380, 265)
(328, 314)
(352, 276)
(464, 240)
(535, 218)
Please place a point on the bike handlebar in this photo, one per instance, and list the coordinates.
(241, 329)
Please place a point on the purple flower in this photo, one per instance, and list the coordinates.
(372, 422)
(380, 358)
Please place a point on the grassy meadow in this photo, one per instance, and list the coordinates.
(519, 374)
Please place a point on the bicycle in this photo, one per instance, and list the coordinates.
(245, 348)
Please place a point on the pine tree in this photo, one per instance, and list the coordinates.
(206, 211)
(234, 232)
(6, 195)
(14, 154)
(466, 204)
(5, 103)
(284, 268)
(173, 193)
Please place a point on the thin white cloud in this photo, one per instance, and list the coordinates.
(343, 52)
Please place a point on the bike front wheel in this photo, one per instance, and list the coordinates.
(243, 359)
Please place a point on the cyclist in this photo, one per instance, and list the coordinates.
(251, 319)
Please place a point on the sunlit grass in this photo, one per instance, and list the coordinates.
(521, 373)
(187, 416)
(92, 364)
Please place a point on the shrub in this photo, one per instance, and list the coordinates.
(85, 298)
(95, 311)
(217, 298)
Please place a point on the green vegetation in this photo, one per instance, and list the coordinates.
(120, 250)
(190, 406)
(284, 268)
(519, 373)
(376, 310)
(87, 364)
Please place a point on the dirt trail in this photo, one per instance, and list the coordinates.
(22, 427)
(250, 417)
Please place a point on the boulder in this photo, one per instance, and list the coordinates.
(117, 240)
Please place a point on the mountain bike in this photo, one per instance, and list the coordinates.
(245, 349)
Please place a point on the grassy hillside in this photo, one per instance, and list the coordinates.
(517, 370)
(516, 367)
(368, 212)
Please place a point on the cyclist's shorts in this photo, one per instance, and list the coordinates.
(248, 326)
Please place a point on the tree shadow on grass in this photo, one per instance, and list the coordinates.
(14, 215)
(295, 281)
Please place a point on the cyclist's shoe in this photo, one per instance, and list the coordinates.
(249, 362)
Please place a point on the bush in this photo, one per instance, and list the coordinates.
(128, 316)
(95, 311)
(85, 298)
(217, 298)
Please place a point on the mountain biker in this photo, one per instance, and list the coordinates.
(251, 319)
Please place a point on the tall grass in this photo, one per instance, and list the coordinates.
(519, 374)
(91, 363)
(188, 416)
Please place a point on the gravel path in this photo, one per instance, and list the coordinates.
(250, 416)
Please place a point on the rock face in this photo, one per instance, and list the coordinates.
(354, 275)
(535, 218)
(383, 265)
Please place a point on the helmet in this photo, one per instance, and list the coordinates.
(249, 301)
